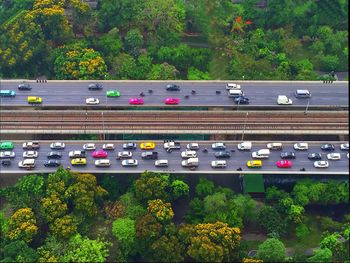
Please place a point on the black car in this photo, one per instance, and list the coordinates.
(149, 155)
(54, 155)
(95, 86)
(241, 100)
(327, 147)
(223, 154)
(314, 156)
(172, 87)
(288, 155)
(129, 146)
(52, 163)
(24, 86)
(6, 162)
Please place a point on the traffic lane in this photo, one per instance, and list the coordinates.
(238, 158)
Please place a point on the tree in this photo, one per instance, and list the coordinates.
(179, 189)
(82, 249)
(64, 227)
(133, 41)
(144, 66)
(321, 255)
(196, 74)
(110, 45)
(124, 231)
(125, 66)
(274, 193)
(204, 187)
(148, 228)
(302, 231)
(166, 249)
(330, 63)
(52, 250)
(332, 242)
(53, 207)
(18, 251)
(162, 72)
(22, 225)
(133, 208)
(4, 222)
(160, 210)
(272, 250)
(270, 220)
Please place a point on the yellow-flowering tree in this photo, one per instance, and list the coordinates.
(64, 227)
(160, 210)
(22, 225)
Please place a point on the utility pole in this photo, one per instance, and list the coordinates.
(307, 106)
(245, 122)
(103, 127)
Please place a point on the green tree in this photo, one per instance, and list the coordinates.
(330, 63)
(125, 66)
(166, 249)
(302, 231)
(110, 45)
(321, 255)
(52, 250)
(125, 232)
(144, 66)
(204, 187)
(22, 225)
(133, 41)
(163, 71)
(18, 251)
(272, 250)
(133, 208)
(148, 228)
(196, 74)
(271, 220)
(179, 189)
(332, 242)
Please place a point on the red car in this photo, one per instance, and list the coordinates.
(284, 164)
(99, 154)
(136, 101)
(172, 101)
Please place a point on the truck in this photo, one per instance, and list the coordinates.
(191, 162)
(244, 146)
(172, 145)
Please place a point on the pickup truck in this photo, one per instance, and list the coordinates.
(149, 155)
(172, 145)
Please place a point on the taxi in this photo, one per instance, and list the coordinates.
(6, 146)
(147, 146)
(78, 161)
(254, 164)
(34, 99)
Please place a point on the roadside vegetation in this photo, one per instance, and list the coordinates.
(173, 39)
(70, 217)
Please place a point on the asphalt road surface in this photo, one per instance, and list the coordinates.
(260, 94)
(238, 159)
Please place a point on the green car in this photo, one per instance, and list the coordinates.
(113, 93)
(6, 146)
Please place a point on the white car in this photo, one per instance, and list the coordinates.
(218, 146)
(7, 154)
(192, 146)
(218, 164)
(321, 164)
(92, 101)
(27, 163)
(57, 145)
(334, 156)
(344, 146)
(102, 163)
(77, 154)
(108, 146)
(89, 146)
(124, 154)
(284, 100)
(129, 162)
(161, 163)
(31, 145)
(233, 86)
(189, 154)
(30, 154)
(274, 146)
(301, 146)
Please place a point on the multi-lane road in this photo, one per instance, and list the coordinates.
(238, 159)
(260, 93)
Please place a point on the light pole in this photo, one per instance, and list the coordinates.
(86, 116)
(307, 106)
(245, 122)
(103, 126)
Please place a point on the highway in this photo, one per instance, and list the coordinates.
(238, 159)
(261, 94)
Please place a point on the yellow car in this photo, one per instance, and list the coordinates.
(254, 163)
(34, 99)
(147, 146)
(78, 161)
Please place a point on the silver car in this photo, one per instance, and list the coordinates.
(7, 154)
(301, 146)
(124, 154)
(57, 145)
(89, 146)
(321, 164)
(129, 162)
(30, 154)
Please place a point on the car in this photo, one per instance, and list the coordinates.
(161, 163)
(99, 154)
(284, 100)
(32, 145)
(52, 163)
(136, 101)
(172, 101)
(284, 164)
(314, 156)
(241, 100)
(6, 146)
(334, 156)
(57, 145)
(274, 146)
(6, 162)
(254, 164)
(77, 154)
(301, 146)
(149, 155)
(189, 154)
(327, 147)
(7, 154)
(24, 86)
(347, 155)
(321, 164)
(172, 87)
(34, 100)
(302, 93)
(108, 146)
(129, 146)
(232, 86)
(102, 163)
(129, 162)
(288, 155)
(30, 154)
(92, 101)
(113, 93)
(78, 161)
(54, 155)
(218, 164)
(89, 146)
(192, 146)
(147, 146)
(344, 146)
(223, 154)
(95, 86)
(27, 163)
(124, 154)
(218, 146)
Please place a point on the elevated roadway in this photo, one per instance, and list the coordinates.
(262, 94)
(238, 159)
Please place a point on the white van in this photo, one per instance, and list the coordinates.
(274, 146)
(302, 93)
(102, 163)
(234, 93)
(191, 162)
(284, 100)
(261, 154)
(233, 86)
(244, 146)
(161, 163)
(218, 164)
(27, 163)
